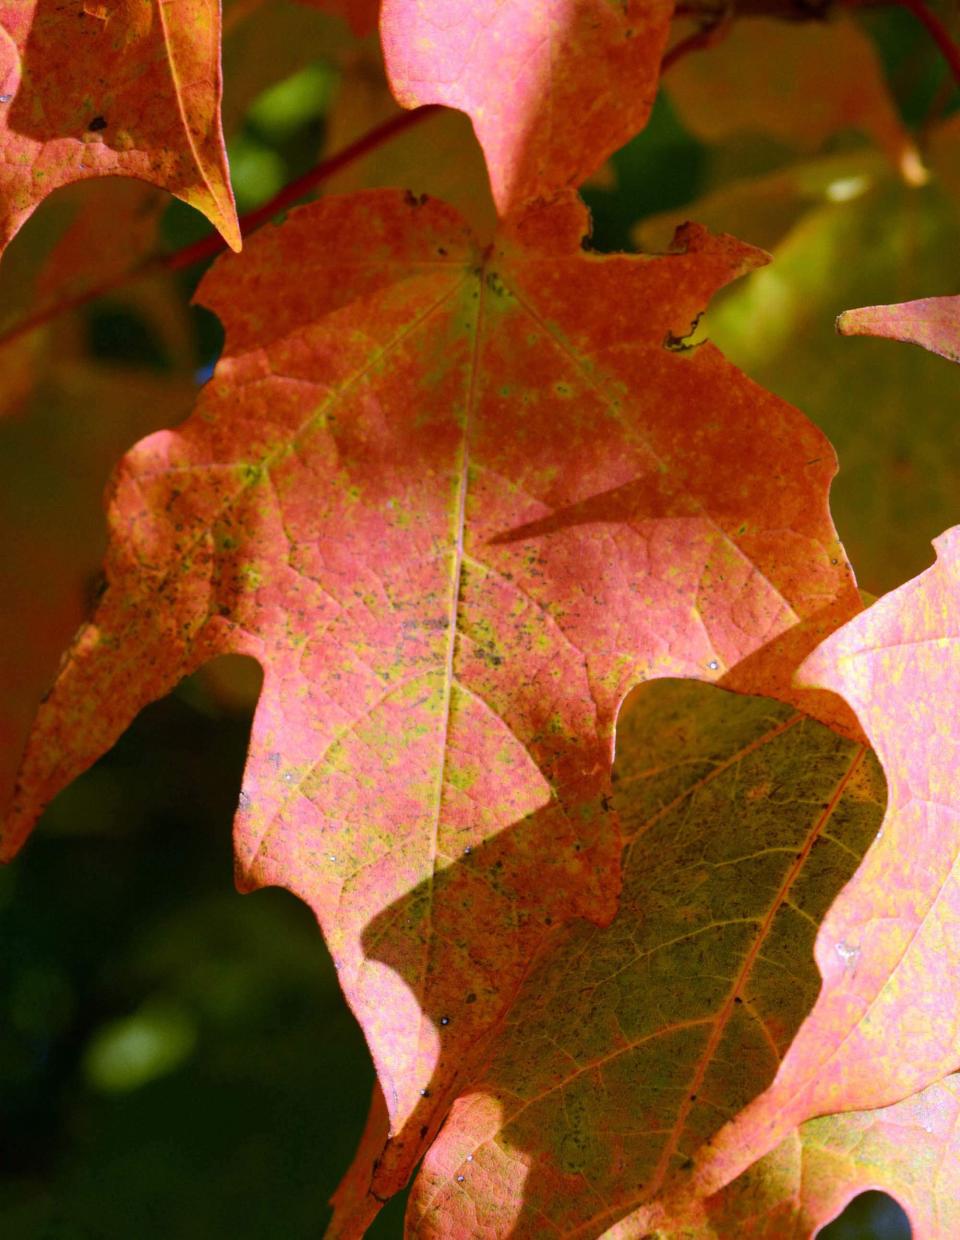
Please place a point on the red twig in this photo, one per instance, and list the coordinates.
(208, 246)
(938, 32)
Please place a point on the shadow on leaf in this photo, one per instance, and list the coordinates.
(629, 1046)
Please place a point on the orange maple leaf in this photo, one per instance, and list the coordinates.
(454, 501)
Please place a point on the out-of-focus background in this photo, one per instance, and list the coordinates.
(176, 1061)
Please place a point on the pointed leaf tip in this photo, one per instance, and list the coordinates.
(931, 322)
(74, 109)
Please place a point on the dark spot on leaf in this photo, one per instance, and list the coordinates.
(471, 997)
(682, 343)
(98, 122)
(94, 589)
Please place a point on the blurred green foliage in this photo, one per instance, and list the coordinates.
(175, 1061)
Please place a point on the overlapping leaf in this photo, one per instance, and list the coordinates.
(552, 88)
(123, 87)
(888, 949)
(456, 506)
(629, 1045)
(909, 1150)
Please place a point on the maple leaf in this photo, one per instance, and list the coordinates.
(908, 1150)
(552, 88)
(454, 501)
(886, 949)
(111, 88)
(932, 322)
(742, 821)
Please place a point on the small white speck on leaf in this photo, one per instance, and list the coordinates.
(849, 955)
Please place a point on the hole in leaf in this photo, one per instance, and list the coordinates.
(869, 1216)
(660, 168)
(210, 338)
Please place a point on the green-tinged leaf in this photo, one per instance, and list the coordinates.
(455, 508)
(887, 948)
(630, 1045)
(910, 1150)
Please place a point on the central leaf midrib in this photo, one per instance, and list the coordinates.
(458, 532)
